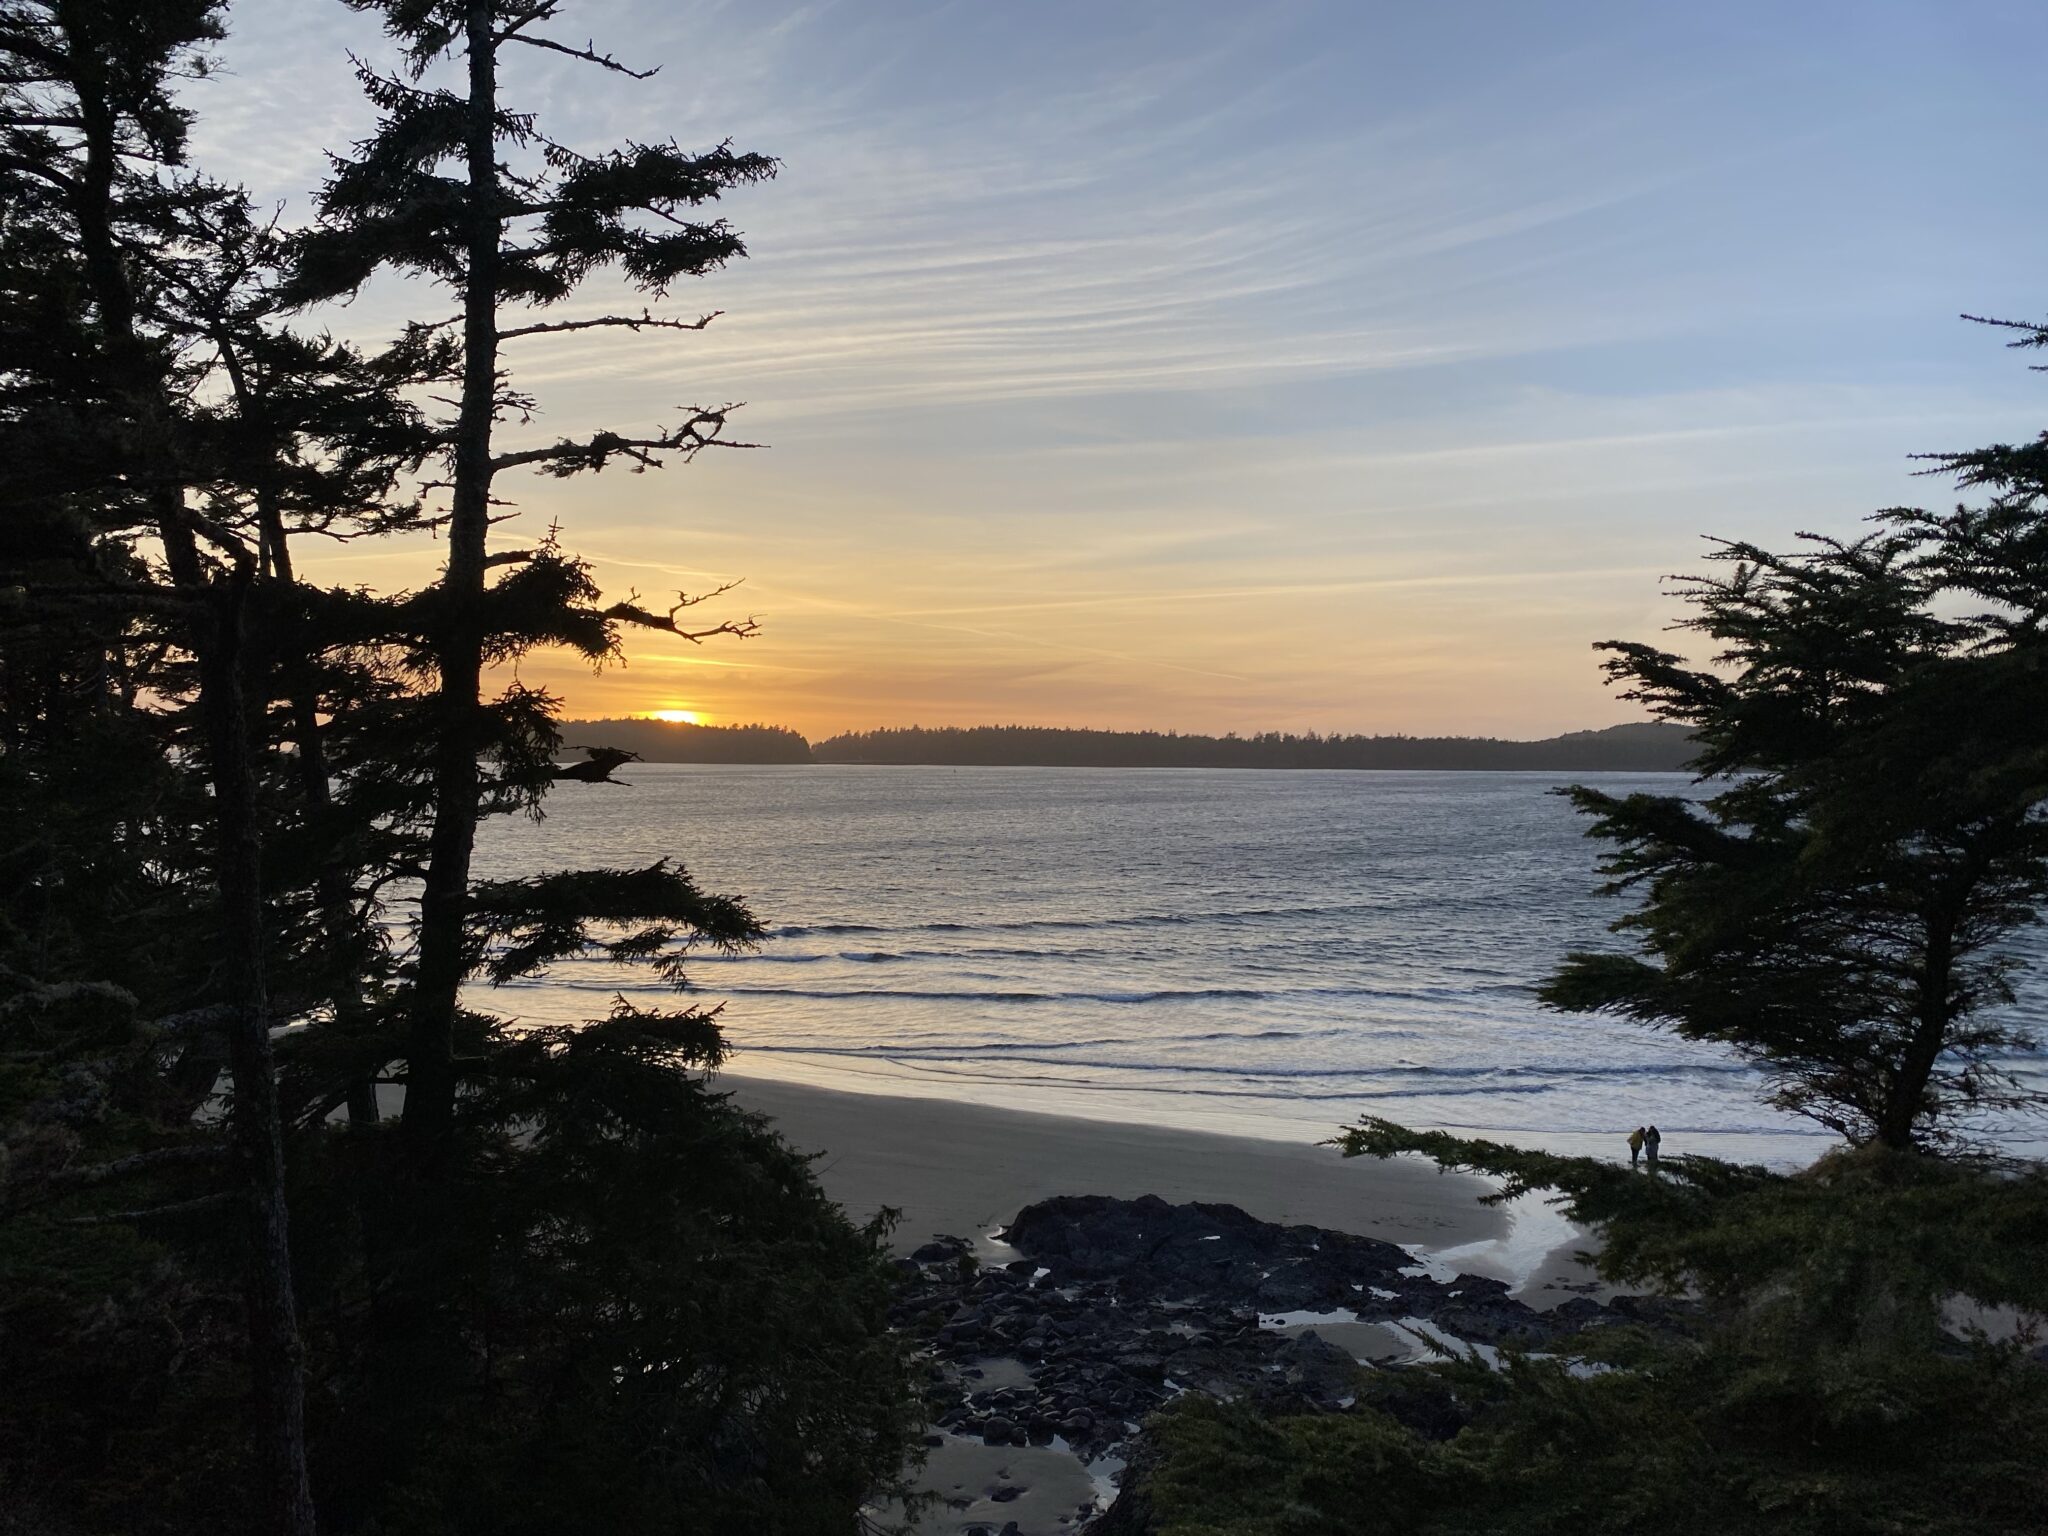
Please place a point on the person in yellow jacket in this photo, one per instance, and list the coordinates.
(1635, 1146)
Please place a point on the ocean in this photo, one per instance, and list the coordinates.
(1262, 953)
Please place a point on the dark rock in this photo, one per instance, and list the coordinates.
(1202, 1252)
(1143, 1300)
(1500, 1322)
(1317, 1370)
(1579, 1312)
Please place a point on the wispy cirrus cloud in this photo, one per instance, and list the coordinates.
(1201, 365)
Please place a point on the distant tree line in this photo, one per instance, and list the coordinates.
(678, 741)
(1649, 747)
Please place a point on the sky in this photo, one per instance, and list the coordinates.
(1187, 365)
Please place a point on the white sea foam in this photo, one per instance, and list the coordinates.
(1306, 1319)
(1535, 1230)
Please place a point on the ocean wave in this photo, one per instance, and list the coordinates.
(1025, 995)
(1121, 920)
(1013, 986)
(1361, 1095)
(1371, 1075)
(1017, 1050)
(1160, 995)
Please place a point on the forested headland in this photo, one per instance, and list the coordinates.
(1649, 747)
(679, 741)
(1646, 747)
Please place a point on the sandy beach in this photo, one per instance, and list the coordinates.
(965, 1169)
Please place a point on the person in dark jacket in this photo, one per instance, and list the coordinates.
(1651, 1139)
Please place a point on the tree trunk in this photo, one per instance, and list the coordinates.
(1905, 1105)
(430, 1065)
(274, 1343)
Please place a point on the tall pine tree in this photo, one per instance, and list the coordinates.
(456, 187)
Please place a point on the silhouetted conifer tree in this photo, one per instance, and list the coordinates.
(456, 187)
(1876, 724)
(613, 1298)
(91, 150)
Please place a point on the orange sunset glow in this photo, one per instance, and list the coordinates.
(1390, 458)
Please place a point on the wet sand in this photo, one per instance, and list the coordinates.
(965, 1169)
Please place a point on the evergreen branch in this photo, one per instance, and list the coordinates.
(54, 1185)
(237, 548)
(23, 607)
(2034, 333)
(36, 168)
(30, 44)
(85, 1175)
(154, 1212)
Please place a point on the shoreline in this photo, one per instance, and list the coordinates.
(963, 1169)
(1792, 1145)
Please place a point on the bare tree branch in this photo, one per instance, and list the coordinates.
(545, 10)
(588, 52)
(643, 322)
(630, 612)
(697, 432)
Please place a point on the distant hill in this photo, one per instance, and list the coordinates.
(1648, 747)
(672, 741)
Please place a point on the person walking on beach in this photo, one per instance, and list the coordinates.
(1650, 1143)
(1635, 1146)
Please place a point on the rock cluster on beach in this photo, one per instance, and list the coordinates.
(1113, 1307)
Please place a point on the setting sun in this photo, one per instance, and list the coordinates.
(676, 716)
